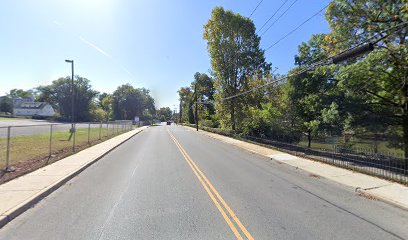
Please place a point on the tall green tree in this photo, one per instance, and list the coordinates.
(380, 80)
(310, 93)
(59, 94)
(15, 93)
(235, 57)
(6, 104)
(164, 114)
(128, 102)
(205, 94)
(186, 97)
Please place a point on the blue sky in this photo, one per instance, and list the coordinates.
(153, 44)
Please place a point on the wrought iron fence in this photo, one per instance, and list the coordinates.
(386, 165)
(44, 141)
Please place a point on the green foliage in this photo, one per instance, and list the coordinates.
(235, 57)
(164, 114)
(128, 102)
(15, 93)
(6, 104)
(186, 97)
(100, 115)
(59, 95)
(366, 96)
(377, 84)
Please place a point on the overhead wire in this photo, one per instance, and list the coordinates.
(255, 8)
(295, 29)
(272, 15)
(273, 23)
(312, 66)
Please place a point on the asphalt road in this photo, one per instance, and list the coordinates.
(173, 183)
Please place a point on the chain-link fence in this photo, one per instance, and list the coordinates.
(45, 142)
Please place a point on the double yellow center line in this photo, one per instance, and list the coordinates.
(226, 212)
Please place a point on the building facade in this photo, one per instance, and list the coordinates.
(25, 107)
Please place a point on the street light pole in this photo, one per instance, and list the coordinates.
(72, 90)
(72, 101)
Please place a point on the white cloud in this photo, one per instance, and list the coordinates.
(56, 23)
(100, 50)
(93, 46)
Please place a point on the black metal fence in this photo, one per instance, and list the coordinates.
(385, 165)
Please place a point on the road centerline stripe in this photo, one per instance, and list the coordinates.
(211, 192)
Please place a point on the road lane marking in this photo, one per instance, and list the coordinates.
(112, 211)
(204, 181)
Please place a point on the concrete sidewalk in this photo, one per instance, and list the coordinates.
(19, 194)
(369, 186)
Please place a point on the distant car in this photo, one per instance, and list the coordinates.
(168, 122)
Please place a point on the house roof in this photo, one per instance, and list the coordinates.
(31, 105)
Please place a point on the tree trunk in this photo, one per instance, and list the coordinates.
(375, 143)
(309, 138)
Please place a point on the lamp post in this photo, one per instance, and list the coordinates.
(72, 130)
(72, 90)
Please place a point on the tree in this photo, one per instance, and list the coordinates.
(164, 114)
(6, 104)
(186, 96)
(235, 57)
(128, 102)
(59, 94)
(382, 76)
(309, 92)
(205, 94)
(15, 93)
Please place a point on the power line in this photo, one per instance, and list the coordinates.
(255, 8)
(371, 40)
(363, 42)
(290, 6)
(294, 30)
(325, 61)
(273, 15)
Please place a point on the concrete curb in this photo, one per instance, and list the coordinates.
(381, 198)
(365, 192)
(22, 207)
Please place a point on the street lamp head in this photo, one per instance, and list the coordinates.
(69, 61)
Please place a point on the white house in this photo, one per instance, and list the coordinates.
(42, 109)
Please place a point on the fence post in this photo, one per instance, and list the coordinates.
(73, 140)
(89, 132)
(50, 145)
(107, 129)
(100, 129)
(8, 167)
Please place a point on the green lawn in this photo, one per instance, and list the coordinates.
(23, 148)
(6, 118)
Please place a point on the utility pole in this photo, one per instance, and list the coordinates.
(180, 114)
(196, 104)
